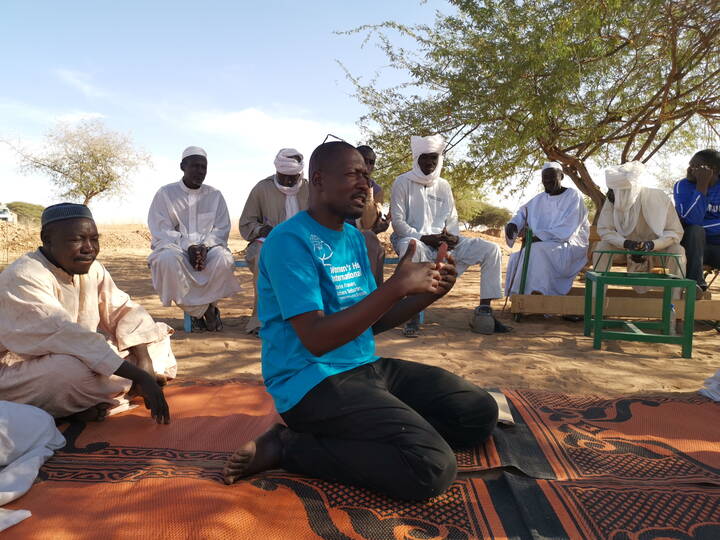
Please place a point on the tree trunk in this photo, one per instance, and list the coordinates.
(576, 170)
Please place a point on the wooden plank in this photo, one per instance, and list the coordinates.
(630, 293)
(629, 307)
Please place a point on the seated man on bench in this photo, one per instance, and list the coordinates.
(384, 424)
(559, 222)
(637, 218)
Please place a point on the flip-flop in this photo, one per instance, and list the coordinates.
(411, 331)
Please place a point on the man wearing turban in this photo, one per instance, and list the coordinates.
(559, 222)
(423, 209)
(638, 218)
(190, 262)
(273, 200)
(71, 342)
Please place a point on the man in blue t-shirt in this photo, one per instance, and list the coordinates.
(353, 417)
(697, 200)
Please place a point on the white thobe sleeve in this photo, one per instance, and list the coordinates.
(399, 208)
(220, 232)
(520, 219)
(35, 323)
(452, 224)
(673, 232)
(161, 225)
(122, 318)
(606, 226)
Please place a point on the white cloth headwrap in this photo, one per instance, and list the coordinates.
(285, 164)
(552, 165)
(292, 206)
(624, 180)
(434, 144)
(193, 151)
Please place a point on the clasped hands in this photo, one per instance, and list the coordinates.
(634, 245)
(434, 240)
(197, 255)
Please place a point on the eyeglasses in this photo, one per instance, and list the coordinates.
(334, 137)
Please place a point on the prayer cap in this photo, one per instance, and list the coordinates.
(552, 165)
(193, 151)
(62, 211)
(286, 164)
(624, 176)
(434, 144)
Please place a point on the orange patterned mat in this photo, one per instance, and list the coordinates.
(595, 468)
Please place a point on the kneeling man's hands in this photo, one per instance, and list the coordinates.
(445, 264)
(416, 278)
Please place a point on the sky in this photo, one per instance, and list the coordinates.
(240, 79)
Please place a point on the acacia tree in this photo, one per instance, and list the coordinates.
(85, 161)
(510, 83)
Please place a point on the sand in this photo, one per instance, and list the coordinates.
(541, 353)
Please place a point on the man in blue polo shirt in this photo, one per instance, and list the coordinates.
(697, 200)
(384, 424)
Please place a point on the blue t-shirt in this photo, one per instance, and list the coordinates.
(695, 208)
(305, 266)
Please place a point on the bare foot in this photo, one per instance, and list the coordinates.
(262, 454)
(96, 413)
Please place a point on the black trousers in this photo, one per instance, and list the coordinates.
(388, 426)
(698, 252)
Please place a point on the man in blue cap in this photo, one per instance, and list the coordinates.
(71, 342)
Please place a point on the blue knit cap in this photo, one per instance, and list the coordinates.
(62, 211)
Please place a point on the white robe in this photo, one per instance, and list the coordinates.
(28, 437)
(180, 217)
(712, 387)
(561, 222)
(62, 337)
(419, 209)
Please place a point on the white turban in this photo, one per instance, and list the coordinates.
(434, 144)
(552, 165)
(624, 180)
(285, 163)
(193, 151)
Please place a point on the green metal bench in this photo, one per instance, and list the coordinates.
(602, 329)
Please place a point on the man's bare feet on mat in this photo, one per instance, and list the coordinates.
(262, 454)
(96, 413)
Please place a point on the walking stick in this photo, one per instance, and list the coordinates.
(512, 281)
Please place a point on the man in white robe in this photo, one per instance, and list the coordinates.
(638, 218)
(70, 341)
(190, 262)
(272, 201)
(423, 209)
(559, 222)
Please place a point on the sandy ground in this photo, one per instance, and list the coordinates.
(541, 353)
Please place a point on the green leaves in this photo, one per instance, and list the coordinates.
(513, 83)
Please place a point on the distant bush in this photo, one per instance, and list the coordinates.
(27, 213)
(493, 217)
